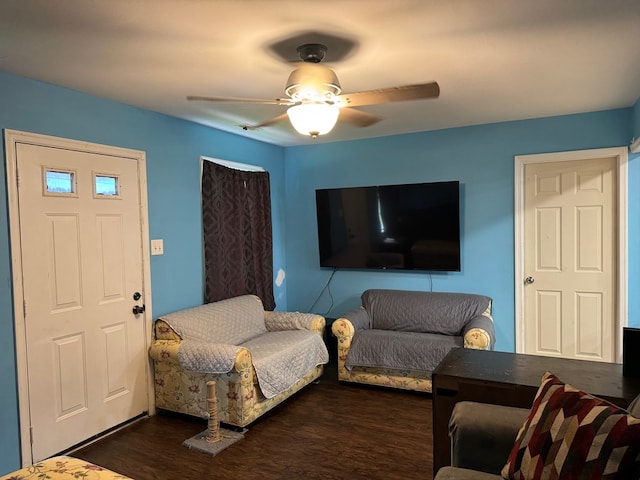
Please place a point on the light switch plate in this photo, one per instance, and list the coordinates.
(157, 247)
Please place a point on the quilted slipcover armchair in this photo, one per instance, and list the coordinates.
(257, 358)
(398, 337)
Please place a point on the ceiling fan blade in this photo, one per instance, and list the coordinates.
(357, 117)
(266, 123)
(392, 94)
(277, 101)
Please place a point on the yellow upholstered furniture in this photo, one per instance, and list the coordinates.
(181, 386)
(64, 468)
(398, 337)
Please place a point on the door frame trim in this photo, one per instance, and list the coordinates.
(12, 139)
(621, 155)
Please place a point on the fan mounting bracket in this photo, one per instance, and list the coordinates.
(312, 52)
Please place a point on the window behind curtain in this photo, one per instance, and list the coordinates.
(236, 218)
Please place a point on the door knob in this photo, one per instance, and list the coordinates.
(529, 280)
(138, 309)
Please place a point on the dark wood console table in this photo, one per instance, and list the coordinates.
(513, 380)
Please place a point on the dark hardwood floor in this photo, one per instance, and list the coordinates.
(326, 431)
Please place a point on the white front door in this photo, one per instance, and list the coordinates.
(570, 259)
(81, 243)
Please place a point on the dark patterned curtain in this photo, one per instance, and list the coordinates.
(236, 218)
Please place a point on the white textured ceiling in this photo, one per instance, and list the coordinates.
(495, 60)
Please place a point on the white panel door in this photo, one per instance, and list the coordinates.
(570, 259)
(80, 235)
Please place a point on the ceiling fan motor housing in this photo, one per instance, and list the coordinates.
(312, 82)
(312, 52)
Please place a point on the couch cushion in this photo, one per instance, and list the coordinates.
(399, 350)
(231, 321)
(426, 312)
(571, 434)
(282, 358)
(482, 434)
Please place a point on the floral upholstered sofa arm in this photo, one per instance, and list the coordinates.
(165, 351)
(345, 327)
(164, 332)
(479, 332)
(278, 321)
(343, 330)
(166, 346)
(351, 322)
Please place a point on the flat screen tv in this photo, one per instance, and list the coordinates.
(395, 227)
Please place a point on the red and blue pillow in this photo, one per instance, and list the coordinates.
(572, 435)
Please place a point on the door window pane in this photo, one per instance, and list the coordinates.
(60, 182)
(106, 185)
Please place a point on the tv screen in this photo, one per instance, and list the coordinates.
(399, 227)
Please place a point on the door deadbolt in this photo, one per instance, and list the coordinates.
(529, 280)
(137, 296)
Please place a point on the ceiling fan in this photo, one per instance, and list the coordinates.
(315, 99)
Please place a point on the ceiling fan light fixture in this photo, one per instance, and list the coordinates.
(313, 118)
(311, 81)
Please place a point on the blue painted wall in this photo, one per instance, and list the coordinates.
(482, 159)
(173, 148)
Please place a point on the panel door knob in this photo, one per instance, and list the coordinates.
(529, 280)
(138, 309)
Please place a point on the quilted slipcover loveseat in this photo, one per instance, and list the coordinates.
(398, 337)
(257, 358)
